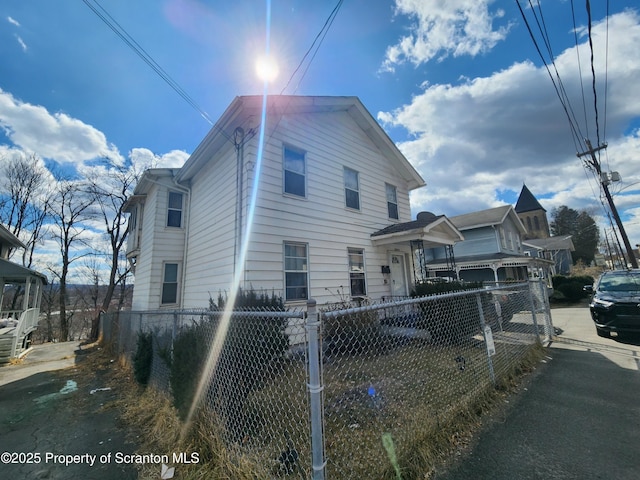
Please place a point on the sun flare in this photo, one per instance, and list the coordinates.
(267, 69)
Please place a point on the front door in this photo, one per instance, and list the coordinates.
(398, 276)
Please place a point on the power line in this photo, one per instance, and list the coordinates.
(121, 32)
(320, 36)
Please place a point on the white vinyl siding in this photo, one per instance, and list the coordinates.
(327, 142)
(296, 268)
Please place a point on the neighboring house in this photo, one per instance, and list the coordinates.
(20, 294)
(312, 225)
(557, 249)
(533, 215)
(492, 249)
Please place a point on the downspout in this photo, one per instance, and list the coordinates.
(238, 142)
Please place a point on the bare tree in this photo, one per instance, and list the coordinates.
(110, 186)
(24, 200)
(70, 207)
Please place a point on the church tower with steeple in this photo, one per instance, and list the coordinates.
(532, 215)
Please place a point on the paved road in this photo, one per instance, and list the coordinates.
(578, 418)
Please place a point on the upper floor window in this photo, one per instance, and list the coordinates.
(296, 271)
(174, 210)
(295, 172)
(536, 222)
(169, 284)
(351, 188)
(356, 272)
(392, 201)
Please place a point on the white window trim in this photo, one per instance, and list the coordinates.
(285, 271)
(344, 181)
(386, 185)
(175, 209)
(178, 277)
(364, 270)
(303, 152)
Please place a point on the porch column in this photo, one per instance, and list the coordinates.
(27, 290)
(495, 267)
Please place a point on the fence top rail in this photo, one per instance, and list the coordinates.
(214, 313)
(416, 300)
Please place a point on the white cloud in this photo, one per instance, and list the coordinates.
(143, 158)
(22, 44)
(13, 21)
(53, 136)
(444, 28)
(476, 139)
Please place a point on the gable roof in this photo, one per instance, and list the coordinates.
(427, 227)
(487, 218)
(245, 112)
(527, 202)
(9, 238)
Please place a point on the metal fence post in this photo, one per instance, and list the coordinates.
(532, 299)
(548, 323)
(488, 338)
(315, 386)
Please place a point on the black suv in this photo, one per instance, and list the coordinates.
(615, 304)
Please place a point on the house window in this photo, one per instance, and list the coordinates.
(536, 222)
(351, 189)
(529, 224)
(392, 201)
(296, 265)
(356, 272)
(295, 172)
(174, 211)
(170, 284)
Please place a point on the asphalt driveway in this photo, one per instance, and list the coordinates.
(577, 418)
(56, 419)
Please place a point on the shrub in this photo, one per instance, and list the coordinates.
(569, 289)
(252, 345)
(143, 358)
(422, 289)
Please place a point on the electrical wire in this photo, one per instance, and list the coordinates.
(575, 35)
(121, 32)
(593, 72)
(320, 36)
(558, 86)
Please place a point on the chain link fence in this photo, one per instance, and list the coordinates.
(330, 391)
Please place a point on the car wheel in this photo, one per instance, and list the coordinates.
(603, 333)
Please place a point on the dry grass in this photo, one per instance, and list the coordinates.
(430, 412)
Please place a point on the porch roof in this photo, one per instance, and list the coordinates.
(13, 273)
(433, 230)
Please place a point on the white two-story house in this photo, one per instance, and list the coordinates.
(304, 215)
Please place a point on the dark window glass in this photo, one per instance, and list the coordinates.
(170, 283)
(351, 188)
(392, 201)
(356, 272)
(294, 172)
(174, 212)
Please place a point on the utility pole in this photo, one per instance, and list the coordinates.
(596, 165)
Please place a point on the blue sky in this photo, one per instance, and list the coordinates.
(462, 91)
